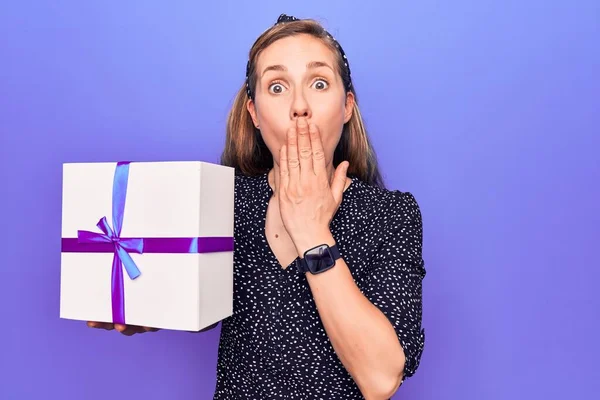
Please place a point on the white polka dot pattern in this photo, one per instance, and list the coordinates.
(274, 346)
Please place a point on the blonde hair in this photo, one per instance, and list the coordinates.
(245, 149)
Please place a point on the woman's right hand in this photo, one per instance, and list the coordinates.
(127, 330)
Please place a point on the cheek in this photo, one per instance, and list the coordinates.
(273, 132)
(330, 110)
(330, 122)
(273, 124)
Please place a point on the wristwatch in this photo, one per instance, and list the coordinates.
(318, 259)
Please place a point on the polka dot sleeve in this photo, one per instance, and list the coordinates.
(394, 283)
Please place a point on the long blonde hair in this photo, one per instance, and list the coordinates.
(245, 149)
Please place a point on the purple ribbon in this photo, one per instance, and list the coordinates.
(110, 241)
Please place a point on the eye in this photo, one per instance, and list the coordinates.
(276, 88)
(320, 84)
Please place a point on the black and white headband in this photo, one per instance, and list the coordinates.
(283, 18)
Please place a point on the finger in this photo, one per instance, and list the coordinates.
(292, 156)
(339, 181)
(100, 325)
(305, 152)
(284, 176)
(149, 329)
(131, 330)
(318, 153)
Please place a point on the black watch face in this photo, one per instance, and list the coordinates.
(319, 259)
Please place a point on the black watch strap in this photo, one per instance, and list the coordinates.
(303, 266)
(335, 252)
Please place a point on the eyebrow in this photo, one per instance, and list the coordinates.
(310, 65)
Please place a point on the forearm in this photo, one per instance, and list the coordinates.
(362, 336)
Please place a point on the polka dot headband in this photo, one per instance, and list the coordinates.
(283, 18)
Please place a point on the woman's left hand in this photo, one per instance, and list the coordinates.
(307, 199)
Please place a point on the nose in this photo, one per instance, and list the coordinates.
(301, 113)
(300, 107)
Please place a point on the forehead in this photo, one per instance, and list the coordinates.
(298, 49)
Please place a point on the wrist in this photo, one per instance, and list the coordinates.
(304, 244)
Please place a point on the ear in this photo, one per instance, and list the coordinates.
(349, 107)
(252, 110)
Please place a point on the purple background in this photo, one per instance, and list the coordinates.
(487, 111)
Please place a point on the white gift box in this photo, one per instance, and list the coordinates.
(167, 205)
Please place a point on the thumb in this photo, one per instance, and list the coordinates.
(339, 181)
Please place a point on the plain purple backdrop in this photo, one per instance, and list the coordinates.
(487, 111)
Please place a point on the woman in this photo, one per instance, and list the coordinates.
(328, 263)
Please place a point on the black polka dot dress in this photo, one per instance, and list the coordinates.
(274, 346)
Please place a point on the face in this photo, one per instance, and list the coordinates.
(296, 78)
